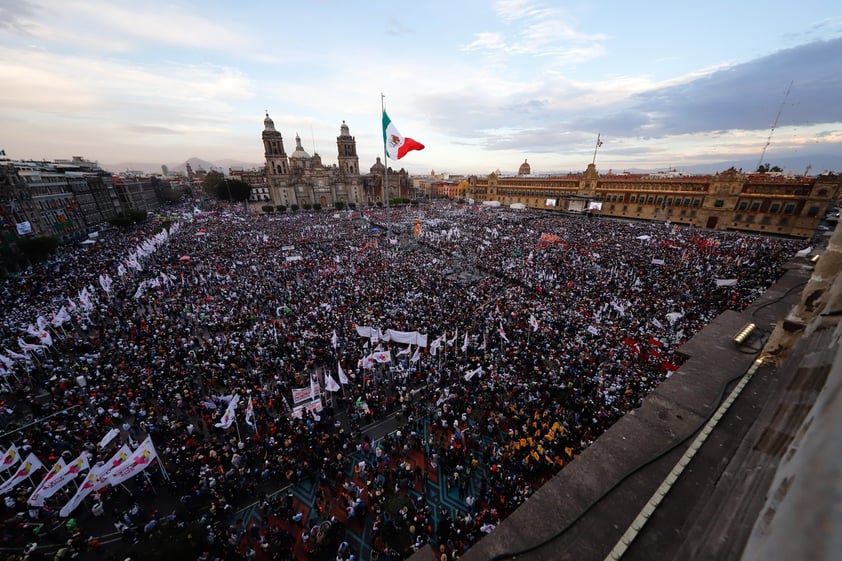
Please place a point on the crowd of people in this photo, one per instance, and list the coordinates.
(541, 331)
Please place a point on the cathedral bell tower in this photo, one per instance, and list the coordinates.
(273, 148)
(346, 145)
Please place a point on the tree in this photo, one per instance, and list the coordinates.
(766, 168)
(38, 249)
(294, 207)
(239, 190)
(212, 183)
(306, 206)
(128, 217)
(339, 205)
(268, 209)
(317, 206)
(281, 208)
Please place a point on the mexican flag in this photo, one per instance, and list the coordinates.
(397, 145)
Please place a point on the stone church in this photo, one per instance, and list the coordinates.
(301, 179)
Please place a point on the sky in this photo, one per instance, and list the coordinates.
(484, 85)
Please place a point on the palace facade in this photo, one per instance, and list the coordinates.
(768, 203)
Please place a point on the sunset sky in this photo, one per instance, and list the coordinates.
(484, 85)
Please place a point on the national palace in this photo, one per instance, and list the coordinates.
(769, 203)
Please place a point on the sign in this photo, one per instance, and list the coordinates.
(24, 228)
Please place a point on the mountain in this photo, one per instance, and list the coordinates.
(196, 163)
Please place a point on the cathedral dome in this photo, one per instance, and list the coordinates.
(299, 150)
(524, 169)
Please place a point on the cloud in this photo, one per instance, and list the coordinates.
(15, 16)
(744, 96)
(119, 26)
(535, 30)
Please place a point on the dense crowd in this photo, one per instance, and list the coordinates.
(542, 330)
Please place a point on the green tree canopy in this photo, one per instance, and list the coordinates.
(240, 190)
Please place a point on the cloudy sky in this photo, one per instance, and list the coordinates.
(485, 85)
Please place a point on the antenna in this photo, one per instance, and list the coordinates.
(775, 124)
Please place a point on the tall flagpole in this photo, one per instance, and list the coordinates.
(385, 165)
(595, 148)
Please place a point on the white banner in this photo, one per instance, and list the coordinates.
(141, 459)
(92, 481)
(10, 457)
(50, 486)
(29, 466)
(312, 407)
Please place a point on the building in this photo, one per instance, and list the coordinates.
(399, 184)
(770, 203)
(64, 198)
(302, 180)
(259, 187)
(136, 192)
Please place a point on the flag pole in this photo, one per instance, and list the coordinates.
(385, 165)
(596, 148)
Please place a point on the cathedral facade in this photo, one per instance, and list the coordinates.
(301, 179)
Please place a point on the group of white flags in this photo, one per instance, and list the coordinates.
(229, 416)
(123, 465)
(85, 297)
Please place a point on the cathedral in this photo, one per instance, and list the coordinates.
(301, 179)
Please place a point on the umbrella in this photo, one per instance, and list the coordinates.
(184, 258)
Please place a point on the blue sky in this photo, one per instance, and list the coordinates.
(483, 84)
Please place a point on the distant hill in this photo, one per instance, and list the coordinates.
(196, 163)
(792, 164)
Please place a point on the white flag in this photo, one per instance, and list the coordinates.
(61, 317)
(29, 466)
(46, 338)
(533, 323)
(416, 356)
(119, 458)
(35, 499)
(503, 334)
(10, 457)
(343, 379)
(50, 486)
(109, 436)
(228, 417)
(250, 413)
(92, 482)
(473, 373)
(452, 341)
(334, 339)
(465, 344)
(330, 384)
(141, 459)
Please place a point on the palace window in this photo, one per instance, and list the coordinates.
(719, 203)
(743, 205)
(755, 206)
(789, 209)
(774, 208)
(814, 211)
